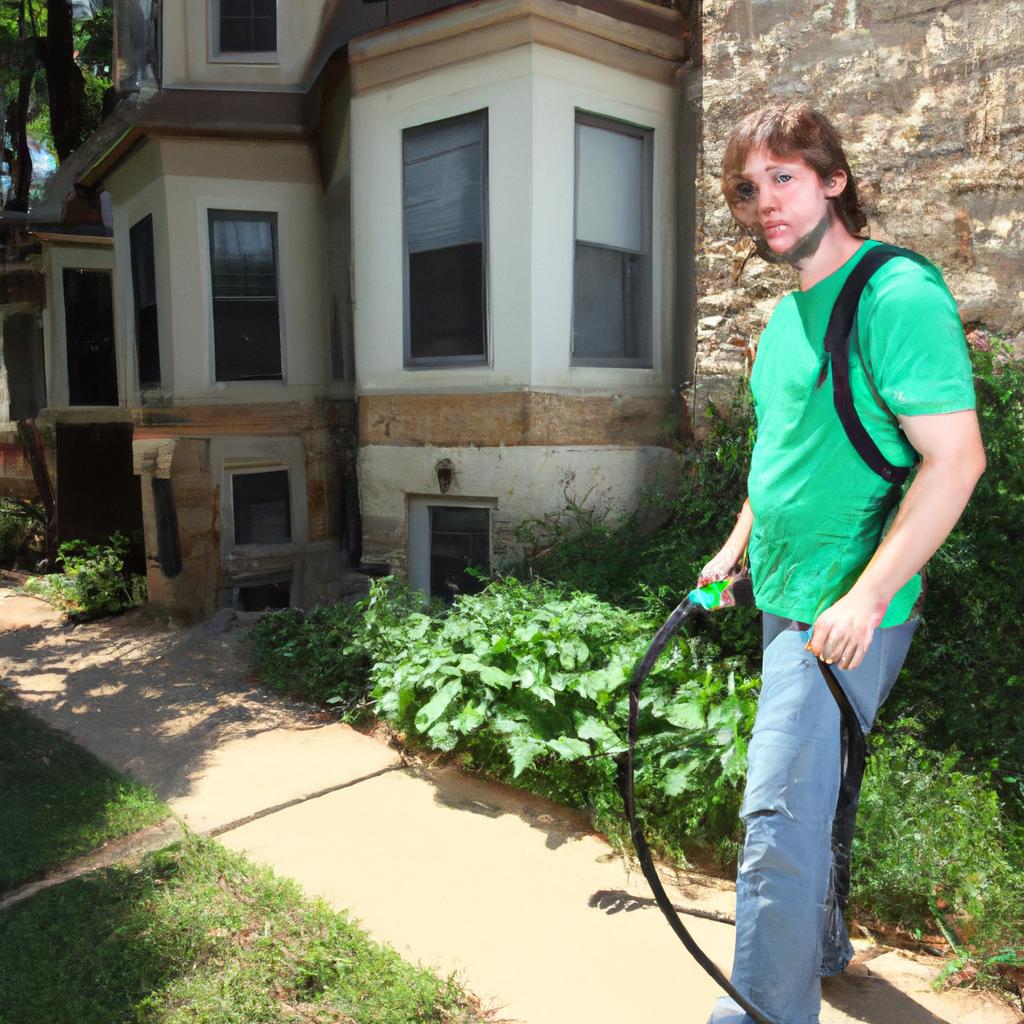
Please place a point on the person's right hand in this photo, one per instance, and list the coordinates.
(719, 566)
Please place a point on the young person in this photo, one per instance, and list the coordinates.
(827, 581)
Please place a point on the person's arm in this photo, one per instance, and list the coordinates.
(952, 460)
(729, 554)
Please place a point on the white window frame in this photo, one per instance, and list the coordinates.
(409, 361)
(203, 207)
(217, 56)
(646, 134)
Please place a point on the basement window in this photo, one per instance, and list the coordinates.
(147, 341)
(246, 323)
(261, 507)
(257, 597)
(612, 271)
(446, 540)
(444, 202)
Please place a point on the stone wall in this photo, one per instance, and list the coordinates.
(929, 97)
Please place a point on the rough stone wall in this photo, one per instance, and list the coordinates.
(929, 97)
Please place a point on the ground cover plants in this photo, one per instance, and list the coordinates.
(95, 579)
(57, 801)
(196, 933)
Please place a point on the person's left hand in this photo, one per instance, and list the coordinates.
(843, 632)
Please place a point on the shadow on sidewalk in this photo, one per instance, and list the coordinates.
(151, 702)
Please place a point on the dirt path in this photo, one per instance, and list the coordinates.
(534, 911)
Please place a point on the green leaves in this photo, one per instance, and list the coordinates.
(531, 679)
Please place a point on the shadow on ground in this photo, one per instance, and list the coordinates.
(148, 700)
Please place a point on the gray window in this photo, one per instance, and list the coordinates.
(460, 538)
(612, 271)
(248, 26)
(147, 341)
(261, 505)
(246, 326)
(444, 203)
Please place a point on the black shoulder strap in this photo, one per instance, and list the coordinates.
(837, 345)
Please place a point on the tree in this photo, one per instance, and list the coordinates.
(53, 74)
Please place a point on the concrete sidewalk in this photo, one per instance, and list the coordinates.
(535, 912)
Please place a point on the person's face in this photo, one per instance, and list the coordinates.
(784, 202)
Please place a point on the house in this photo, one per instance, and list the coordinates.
(366, 284)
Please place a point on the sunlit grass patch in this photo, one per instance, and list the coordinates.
(196, 933)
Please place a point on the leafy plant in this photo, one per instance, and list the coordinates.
(530, 682)
(94, 581)
(21, 526)
(963, 678)
(934, 847)
(325, 654)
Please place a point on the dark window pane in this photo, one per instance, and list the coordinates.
(459, 538)
(89, 320)
(148, 347)
(446, 302)
(611, 297)
(264, 35)
(262, 507)
(260, 596)
(248, 340)
(143, 266)
(248, 26)
(235, 35)
(144, 287)
(246, 326)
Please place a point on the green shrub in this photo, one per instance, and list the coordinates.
(94, 582)
(22, 525)
(934, 847)
(325, 654)
(317, 655)
(964, 676)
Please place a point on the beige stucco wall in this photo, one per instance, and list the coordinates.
(196, 175)
(930, 100)
(519, 483)
(531, 94)
(137, 190)
(189, 60)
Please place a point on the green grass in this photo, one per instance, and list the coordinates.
(195, 933)
(57, 801)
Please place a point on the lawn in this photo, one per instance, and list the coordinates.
(195, 933)
(57, 801)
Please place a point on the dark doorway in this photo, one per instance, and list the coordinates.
(460, 539)
(89, 327)
(97, 489)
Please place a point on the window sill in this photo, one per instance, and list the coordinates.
(256, 57)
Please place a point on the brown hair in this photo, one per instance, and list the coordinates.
(794, 129)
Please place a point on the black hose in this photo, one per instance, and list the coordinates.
(852, 771)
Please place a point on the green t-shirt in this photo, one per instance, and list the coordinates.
(819, 510)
